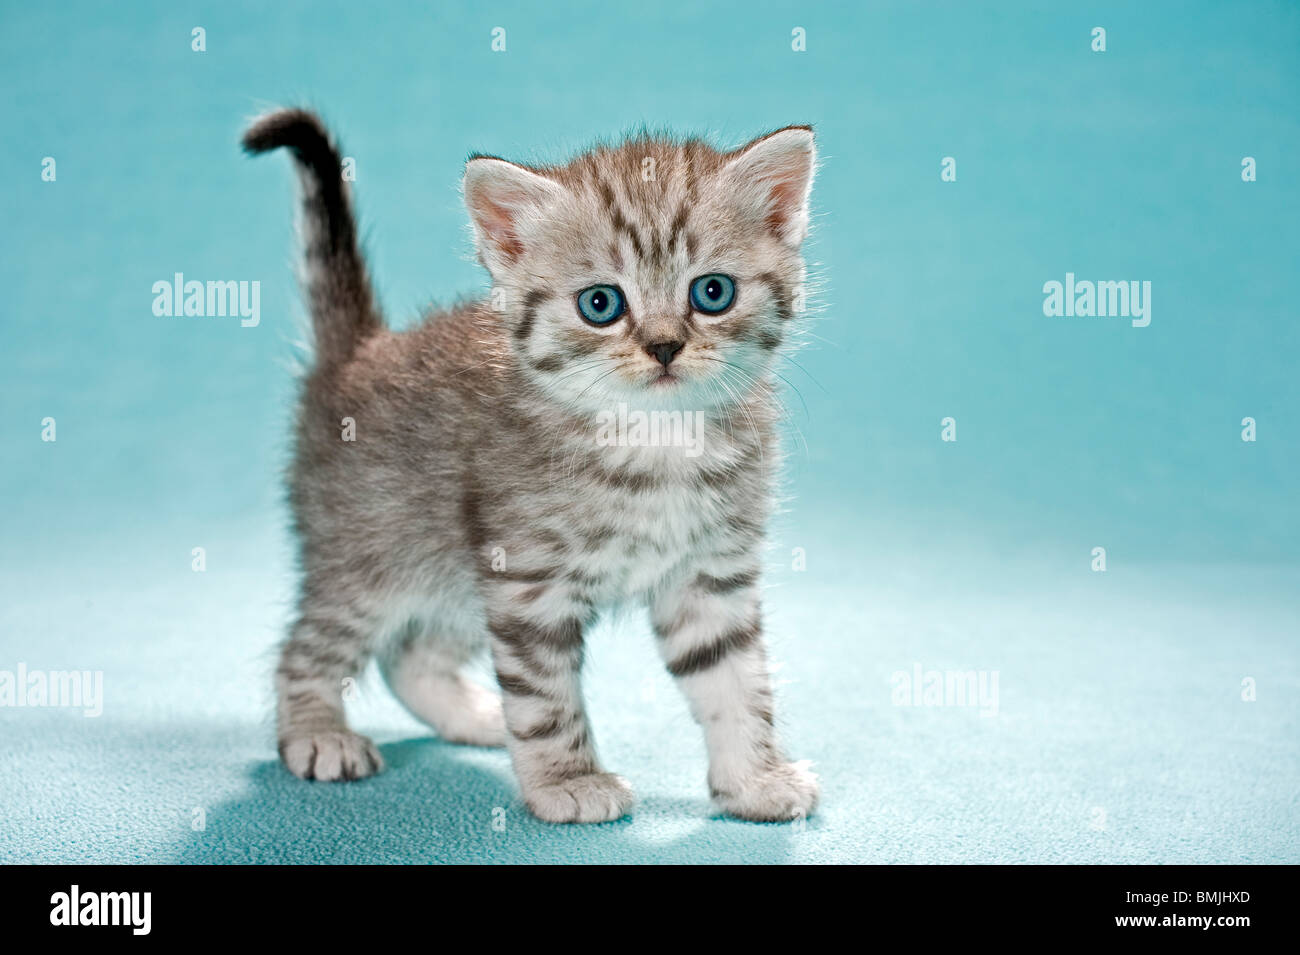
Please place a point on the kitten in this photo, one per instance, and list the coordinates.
(475, 502)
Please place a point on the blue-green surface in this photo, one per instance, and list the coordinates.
(1121, 733)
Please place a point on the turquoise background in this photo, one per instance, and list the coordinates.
(1121, 692)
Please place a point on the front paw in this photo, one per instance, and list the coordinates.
(598, 797)
(331, 755)
(780, 793)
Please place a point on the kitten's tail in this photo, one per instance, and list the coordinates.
(343, 310)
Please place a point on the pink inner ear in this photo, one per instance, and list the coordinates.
(496, 220)
(787, 196)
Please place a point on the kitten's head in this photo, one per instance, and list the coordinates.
(661, 274)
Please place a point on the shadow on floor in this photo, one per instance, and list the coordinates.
(438, 803)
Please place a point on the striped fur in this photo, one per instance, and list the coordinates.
(478, 505)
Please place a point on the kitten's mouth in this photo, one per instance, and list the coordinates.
(664, 379)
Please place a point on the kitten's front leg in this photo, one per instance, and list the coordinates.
(710, 636)
(537, 652)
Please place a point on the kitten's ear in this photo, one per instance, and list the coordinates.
(773, 176)
(500, 196)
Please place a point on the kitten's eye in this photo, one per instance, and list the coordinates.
(600, 304)
(712, 294)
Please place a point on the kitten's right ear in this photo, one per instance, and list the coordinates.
(772, 177)
(500, 196)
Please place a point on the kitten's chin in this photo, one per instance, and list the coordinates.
(680, 391)
(676, 390)
(671, 390)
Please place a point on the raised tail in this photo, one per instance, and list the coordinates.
(343, 310)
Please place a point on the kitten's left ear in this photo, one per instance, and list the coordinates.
(773, 177)
(501, 198)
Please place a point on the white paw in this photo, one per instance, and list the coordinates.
(599, 797)
(458, 709)
(780, 793)
(475, 720)
(331, 755)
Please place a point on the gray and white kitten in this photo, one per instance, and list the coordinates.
(470, 500)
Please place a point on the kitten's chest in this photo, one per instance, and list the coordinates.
(638, 517)
(629, 540)
(634, 517)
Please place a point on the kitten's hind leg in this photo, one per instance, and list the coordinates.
(315, 742)
(425, 671)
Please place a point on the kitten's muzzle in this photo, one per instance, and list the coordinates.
(664, 352)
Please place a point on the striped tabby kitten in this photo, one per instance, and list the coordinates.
(457, 484)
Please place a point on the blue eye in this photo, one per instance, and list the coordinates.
(712, 294)
(601, 304)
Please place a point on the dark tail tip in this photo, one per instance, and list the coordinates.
(301, 131)
(304, 134)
